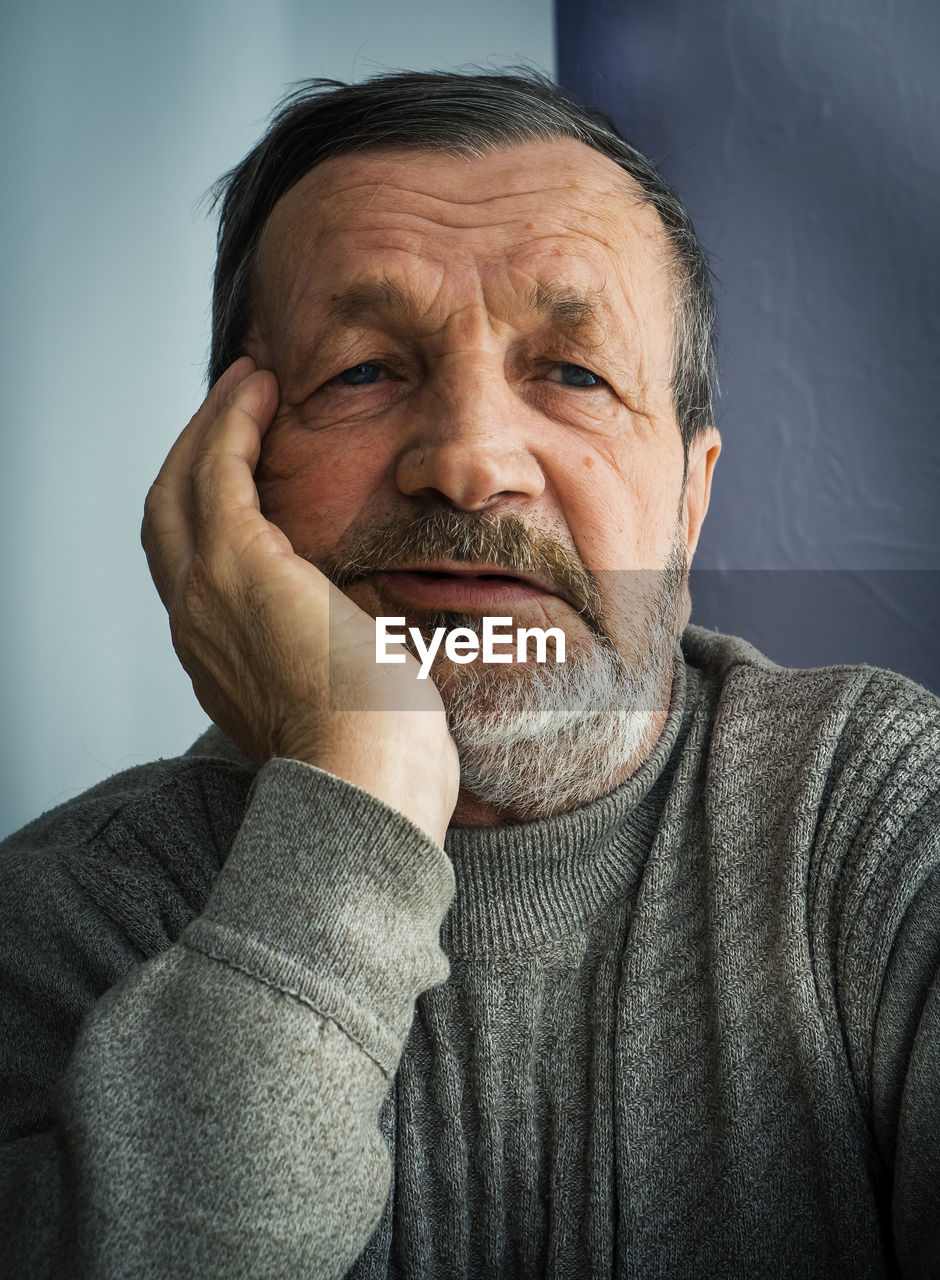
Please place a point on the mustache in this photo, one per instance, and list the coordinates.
(500, 540)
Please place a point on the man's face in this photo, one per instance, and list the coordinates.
(481, 337)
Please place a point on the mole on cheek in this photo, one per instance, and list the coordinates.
(589, 462)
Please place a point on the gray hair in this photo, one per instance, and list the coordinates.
(461, 114)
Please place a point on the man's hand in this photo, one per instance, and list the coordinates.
(263, 634)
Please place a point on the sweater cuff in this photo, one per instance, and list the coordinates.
(334, 898)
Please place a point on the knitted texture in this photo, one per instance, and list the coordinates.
(691, 1029)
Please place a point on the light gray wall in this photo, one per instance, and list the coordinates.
(804, 138)
(117, 117)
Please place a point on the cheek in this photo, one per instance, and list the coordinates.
(313, 492)
(621, 512)
(604, 515)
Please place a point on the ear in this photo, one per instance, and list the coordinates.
(702, 456)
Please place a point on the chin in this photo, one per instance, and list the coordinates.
(540, 739)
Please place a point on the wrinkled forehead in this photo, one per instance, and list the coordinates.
(537, 210)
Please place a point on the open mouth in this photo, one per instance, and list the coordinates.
(432, 575)
(471, 589)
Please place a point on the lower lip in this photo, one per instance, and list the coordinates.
(461, 592)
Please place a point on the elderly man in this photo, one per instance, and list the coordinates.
(664, 1007)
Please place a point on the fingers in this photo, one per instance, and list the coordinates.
(221, 472)
(180, 458)
(207, 476)
(221, 392)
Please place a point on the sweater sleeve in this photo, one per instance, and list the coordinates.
(218, 1112)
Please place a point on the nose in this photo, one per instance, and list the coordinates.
(467, 445)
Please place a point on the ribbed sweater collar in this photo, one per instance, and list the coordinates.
(530, 884)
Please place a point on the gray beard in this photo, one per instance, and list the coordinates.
(538, 739)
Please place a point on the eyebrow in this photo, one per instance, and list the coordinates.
(569, 310)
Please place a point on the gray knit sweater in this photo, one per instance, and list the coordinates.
(689, 1030)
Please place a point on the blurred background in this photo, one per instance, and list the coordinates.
(803, 136)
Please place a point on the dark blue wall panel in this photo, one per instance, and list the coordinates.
(803, 137)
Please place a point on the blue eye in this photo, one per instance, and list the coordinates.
(360, 375)
(575, 375)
